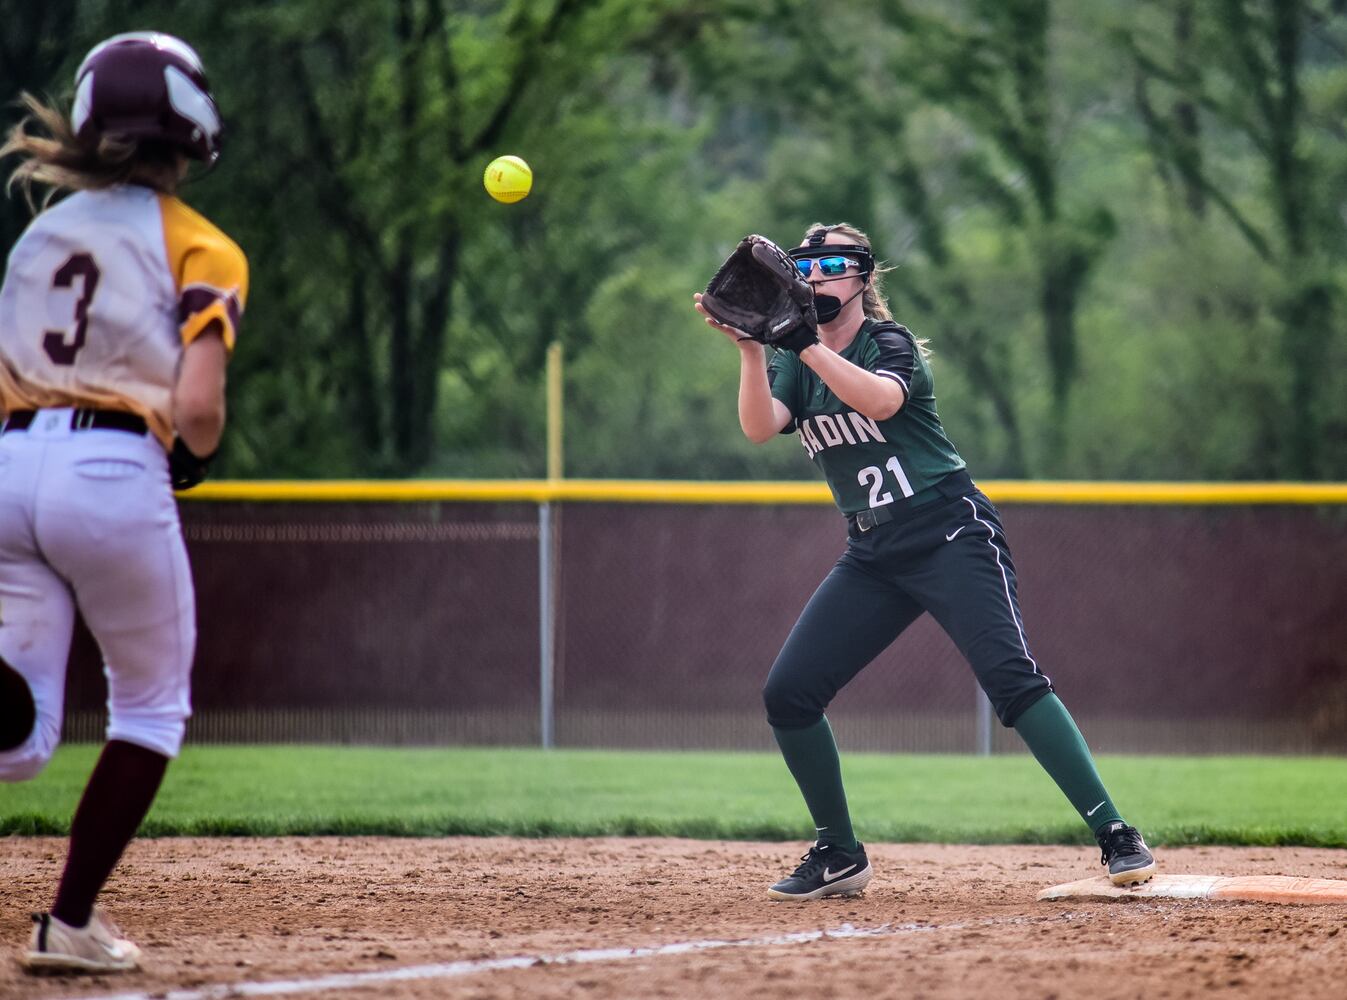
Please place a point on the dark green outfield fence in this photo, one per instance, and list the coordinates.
(1171, 619)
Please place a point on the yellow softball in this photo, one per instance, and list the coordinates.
(508, 179)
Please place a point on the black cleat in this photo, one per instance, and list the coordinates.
(1129, 860)
(826, 870)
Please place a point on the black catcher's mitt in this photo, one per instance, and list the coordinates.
(759, 291)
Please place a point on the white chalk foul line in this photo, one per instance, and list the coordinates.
(451, 970)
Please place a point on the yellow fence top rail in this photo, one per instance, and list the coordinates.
(686, 491)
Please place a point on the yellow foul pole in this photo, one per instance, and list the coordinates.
(547, 557)
(554, 411)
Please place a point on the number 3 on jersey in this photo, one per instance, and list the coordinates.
(80, 265)
(873, 477)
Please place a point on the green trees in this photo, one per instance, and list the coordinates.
(993, 70)
(1121, 229)
(33, 48)
(1271, 77)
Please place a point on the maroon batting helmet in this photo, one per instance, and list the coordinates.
(147, 85)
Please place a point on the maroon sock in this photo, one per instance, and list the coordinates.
(116, 799)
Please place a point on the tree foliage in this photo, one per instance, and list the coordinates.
(1121, 229)
(1263, 74)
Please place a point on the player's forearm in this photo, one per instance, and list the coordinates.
(199, 395)
(201, 426)
(757, 416)
(868, 394)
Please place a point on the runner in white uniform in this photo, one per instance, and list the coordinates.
(118, 311)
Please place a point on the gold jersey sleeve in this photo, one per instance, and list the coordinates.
(210, 271)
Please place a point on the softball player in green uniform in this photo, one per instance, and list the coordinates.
(921, 538)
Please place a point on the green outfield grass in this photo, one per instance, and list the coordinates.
(272, 790)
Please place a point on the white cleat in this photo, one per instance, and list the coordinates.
(97, 947)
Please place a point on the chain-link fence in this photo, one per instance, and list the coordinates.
(1183, 628)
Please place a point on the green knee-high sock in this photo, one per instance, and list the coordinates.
(811, 755)
(1052, 736)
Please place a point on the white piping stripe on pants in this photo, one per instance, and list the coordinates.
(1005, 583)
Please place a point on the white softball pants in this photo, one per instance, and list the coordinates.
(88, 520)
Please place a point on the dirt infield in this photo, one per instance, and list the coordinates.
(946, 921)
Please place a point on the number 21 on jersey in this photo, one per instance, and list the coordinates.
(872, 476)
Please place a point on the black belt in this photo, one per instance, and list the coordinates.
(82, 420)
(956, 484)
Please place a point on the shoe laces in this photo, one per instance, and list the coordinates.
(811, 862)
(113, 930)
(1120, 840)
(101, 926)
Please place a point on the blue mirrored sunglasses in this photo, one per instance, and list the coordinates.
(829, 266)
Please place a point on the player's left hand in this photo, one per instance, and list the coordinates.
(760, 291)
(738, 336)
(186, 469)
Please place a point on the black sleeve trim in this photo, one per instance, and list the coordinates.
(906, 383)
(897, 354)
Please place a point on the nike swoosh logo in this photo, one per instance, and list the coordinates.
(829, 875)
(1095, 809)
(950, 538)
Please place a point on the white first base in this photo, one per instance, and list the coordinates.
(1251, 888)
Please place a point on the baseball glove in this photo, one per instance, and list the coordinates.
(759, 292)
(186, 469)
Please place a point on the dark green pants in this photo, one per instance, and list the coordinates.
(949, 558)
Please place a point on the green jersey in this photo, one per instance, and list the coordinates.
(869, 463)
